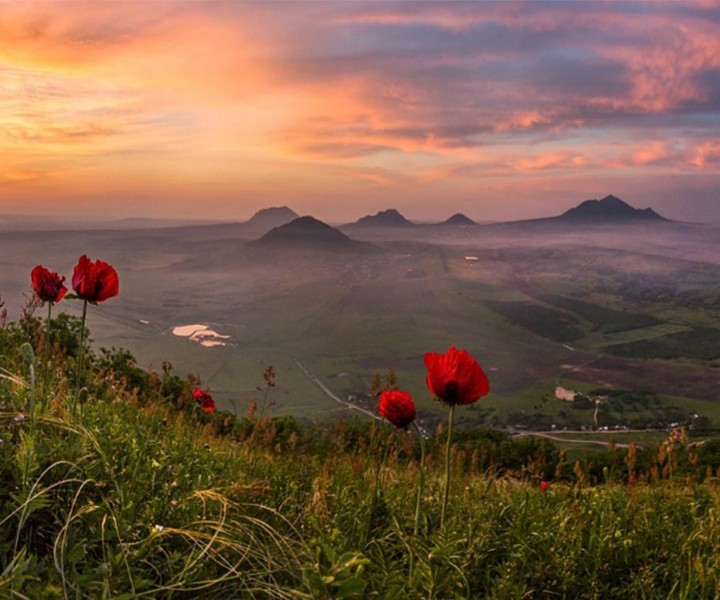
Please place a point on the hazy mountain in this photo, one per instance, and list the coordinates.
(276, 216)
(610, 208)
(385, 218)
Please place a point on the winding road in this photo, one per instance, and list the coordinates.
(557, 438)
(332, 396)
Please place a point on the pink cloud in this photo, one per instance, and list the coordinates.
(707, 156)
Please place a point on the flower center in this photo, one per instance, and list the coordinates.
(452, 392)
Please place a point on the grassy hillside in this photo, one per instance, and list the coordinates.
(120, 486)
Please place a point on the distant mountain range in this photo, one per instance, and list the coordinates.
(306, 232)
(609, 209)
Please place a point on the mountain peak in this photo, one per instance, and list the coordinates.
(385, 218)
(459, 219)
(609, 208)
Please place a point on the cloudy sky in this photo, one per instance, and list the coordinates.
(338, 109)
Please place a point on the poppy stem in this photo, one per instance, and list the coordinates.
(46, 350)
(421, 482)
(81, 355)
(29, 356)
(446, 494)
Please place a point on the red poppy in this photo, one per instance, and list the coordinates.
(543, 485)
(455, 377)
(205, 400)
(397, 407)
(95, 281)
(47, 284)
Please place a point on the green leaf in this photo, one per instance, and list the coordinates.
(351, 588)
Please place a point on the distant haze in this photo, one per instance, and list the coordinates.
(498, 110)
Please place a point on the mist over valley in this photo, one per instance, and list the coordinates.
(591, 301)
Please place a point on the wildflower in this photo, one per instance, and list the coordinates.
(48, 285)
(95, 281)
(204, 399)
(544, 485)
(455, 377)
(397, 407)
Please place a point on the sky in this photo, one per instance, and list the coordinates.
(339, 109)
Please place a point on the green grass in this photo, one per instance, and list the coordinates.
(132, 506)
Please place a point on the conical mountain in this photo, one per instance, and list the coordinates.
(459, 219)
(609, 208)
(307, 232)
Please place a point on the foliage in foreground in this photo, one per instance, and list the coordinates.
(125, 489)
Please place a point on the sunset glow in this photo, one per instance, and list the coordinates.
(338, 109)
